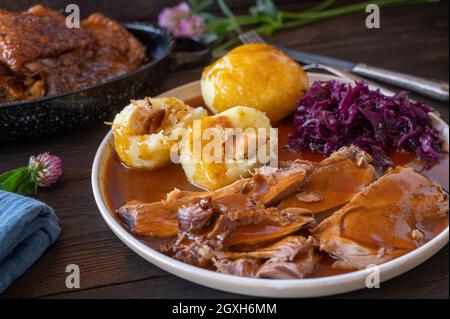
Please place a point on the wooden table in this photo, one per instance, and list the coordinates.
(411, 39)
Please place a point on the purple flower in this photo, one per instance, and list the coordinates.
(170, 17)
(47, 168)
(193, 26)
(181, 22)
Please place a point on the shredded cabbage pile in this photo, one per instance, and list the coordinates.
(333, 114)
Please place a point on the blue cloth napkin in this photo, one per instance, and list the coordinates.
(27, 228)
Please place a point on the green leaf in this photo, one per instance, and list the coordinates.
(27, 185)
(20, 181)
(228, 13)
(9, 179)
(219, 27)
(5, 176)
(267, 29)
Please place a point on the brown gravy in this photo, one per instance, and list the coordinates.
(122, 184)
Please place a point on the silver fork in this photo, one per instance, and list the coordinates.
(251, 37)
(437, 90)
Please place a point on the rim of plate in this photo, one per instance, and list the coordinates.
(308, 287)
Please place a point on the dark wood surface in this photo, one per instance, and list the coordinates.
(411, 39)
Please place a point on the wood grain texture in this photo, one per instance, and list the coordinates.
(411, 39)
(126, 10)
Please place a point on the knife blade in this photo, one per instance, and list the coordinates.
(313, 58)
(437, 90)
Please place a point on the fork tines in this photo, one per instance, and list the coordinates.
(251, 37)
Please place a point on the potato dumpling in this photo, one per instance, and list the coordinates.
(143, 130)
(211, 174)
(255, 75)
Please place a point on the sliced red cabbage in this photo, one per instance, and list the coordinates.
(332, 114)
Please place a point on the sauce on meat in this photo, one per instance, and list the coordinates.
(122, 184)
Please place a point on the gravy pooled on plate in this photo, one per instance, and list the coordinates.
(247, 227)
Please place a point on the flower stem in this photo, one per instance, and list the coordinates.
(228, 13)
(349, 9)
(318, 13)
(19, 180)
(297, 23)
(321, 6)
(218, 51)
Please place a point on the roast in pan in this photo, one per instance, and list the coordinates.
(31, 106)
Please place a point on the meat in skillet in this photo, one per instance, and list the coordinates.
(115, 44)
(384, 221)
(36, 34)
(40, 56)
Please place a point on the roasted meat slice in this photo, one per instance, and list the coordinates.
(284, 250)
(385, 220)
(38, 33)
(291, 258)
(268, 185)
(334, 181)
(234, 216)
(273, 224)
(225, 213)
(195, 217)
(178, 198)
(232, 211)
(149, 220)
(210, 225)
(299, 268)
(244, 267)
(161, 219)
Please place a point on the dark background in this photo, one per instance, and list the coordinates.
(416, 34)
(412, 39)
(125, 9)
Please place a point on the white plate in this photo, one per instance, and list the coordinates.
(312, 287)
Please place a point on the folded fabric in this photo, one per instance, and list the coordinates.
(27, 228)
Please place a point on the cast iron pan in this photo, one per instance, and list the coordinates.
(32, 119)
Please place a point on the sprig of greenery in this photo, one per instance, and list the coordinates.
(21, 181)
(43, 170)
(266, 18)
(234, 24)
